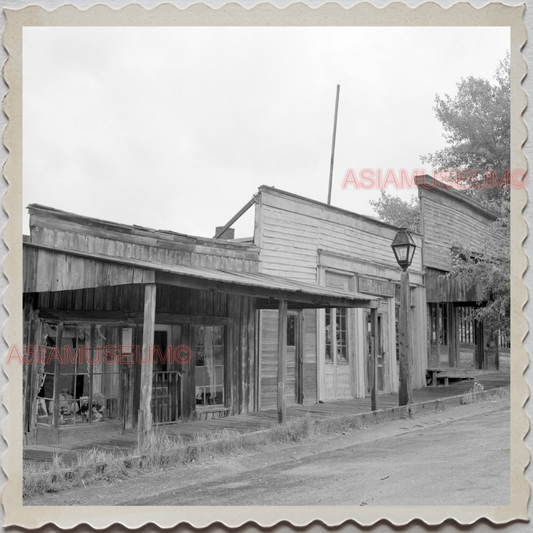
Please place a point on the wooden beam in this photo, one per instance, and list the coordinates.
(374, 355)
(174, 318)
(147, 357)
(282, 361)
(296, 306)
(307, 300)
(234, 219)
(57, 374)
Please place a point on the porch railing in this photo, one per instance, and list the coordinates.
(166, 397)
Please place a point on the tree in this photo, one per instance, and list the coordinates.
(398, 212)
(477, 129)
(477, 126)
(489, 270)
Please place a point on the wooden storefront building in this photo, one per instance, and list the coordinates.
(130, 327)
(329, 353)
(456, 339)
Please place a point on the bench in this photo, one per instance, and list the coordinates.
(434, 374)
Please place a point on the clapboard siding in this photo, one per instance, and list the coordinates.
(448, 220)
(293, 233)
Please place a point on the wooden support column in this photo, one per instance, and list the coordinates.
(406, 365)
(147, 362)
(374, 355)
(282, 361)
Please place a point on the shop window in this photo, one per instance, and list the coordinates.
(87, 383)
(467, 329)
(209, 352)
(336, 342)
(291, 331)
(438, 321)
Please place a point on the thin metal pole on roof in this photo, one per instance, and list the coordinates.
(333, 144)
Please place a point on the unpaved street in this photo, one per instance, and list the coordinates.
(460, 456)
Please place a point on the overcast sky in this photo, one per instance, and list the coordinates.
(176, 128)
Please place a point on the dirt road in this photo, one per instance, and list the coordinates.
(460, 456)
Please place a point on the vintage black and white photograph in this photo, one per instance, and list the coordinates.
(266, 266)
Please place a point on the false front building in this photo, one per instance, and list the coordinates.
(329, 349)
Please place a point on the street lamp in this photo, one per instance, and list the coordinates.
(404, 248)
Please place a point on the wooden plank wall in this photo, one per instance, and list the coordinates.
(441, 289)
(293, 230)
(446, 221)
(51, 271)
(206, 305)
(269, 361)
(49, 231)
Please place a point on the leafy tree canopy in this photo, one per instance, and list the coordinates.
(477, 130)
(489, 270)
(395, 211)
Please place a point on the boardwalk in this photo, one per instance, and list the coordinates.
(125, 441)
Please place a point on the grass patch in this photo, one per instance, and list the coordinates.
(159, 450)
(477, 394)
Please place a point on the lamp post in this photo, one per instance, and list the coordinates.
(404, 248)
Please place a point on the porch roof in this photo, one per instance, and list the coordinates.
(56, 269)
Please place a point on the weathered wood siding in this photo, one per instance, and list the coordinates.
(293, 229)
(46, 271)
(181, 308)
(49, 229)
(447, 219)
(295, 235)
(269, 361)
(439, 288)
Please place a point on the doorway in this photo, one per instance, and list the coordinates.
(382, 342)
(166, 386)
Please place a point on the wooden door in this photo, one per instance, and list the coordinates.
(382, 342)
(293, 384)
(166, 384)
(338, 375)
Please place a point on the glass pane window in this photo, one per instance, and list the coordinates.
(438, 323)
(291, 324)
(336, 339)
(341, 335)
(329, 337)
(209, 353)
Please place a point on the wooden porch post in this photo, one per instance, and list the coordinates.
(145, 408)
(282, 361)
(374, 354)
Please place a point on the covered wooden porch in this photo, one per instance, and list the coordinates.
(65, 275)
